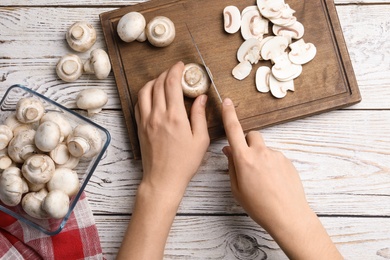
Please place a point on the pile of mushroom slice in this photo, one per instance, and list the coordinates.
(285, 49)
(40, 151)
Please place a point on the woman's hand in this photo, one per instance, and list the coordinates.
(268, 187)
(172, 146)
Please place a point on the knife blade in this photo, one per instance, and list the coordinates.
(204, 64)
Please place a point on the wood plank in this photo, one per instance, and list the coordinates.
(35, 54)
(120, 3)
(342, 157)
(238, 237)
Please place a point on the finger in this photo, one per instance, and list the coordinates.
(173, 89)
(198, 117)
(232, 170)
(255, 139)
(145, 99)
(159, 102)
(232, 126)
(137, 114)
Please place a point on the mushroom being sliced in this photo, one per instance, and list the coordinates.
(232, 19)
(263, 74)
(301, 52)
(195, 80)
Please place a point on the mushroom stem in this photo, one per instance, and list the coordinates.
(69, 67)
(193, 76)
(159, 30)
(77, 32)
(78, 146)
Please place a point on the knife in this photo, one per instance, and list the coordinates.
(204, 64)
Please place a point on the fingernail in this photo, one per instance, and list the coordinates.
(227, 102)
(203, 100)
(225, 151)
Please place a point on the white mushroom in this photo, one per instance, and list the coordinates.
(6, 135)
(69, 68)
(66, 180)
(274, 47)
(242, 70)
(249, 51)
(285, 18)
(92, 100)
(29, 110)
(270, 8)
(195, 80)
(62, 157)
(301, 52)
(38, 169)
(60, 120)
(32, 204)
(81, 36)
(56, 204)
(5, 161)
(263, 74)
(98, 64)
(253, 25)
(232, 19)
(85, 141)
(160, 31)
(12, 186)
(295, 31)
(16, 126)
(22, 146)
(35, 187)
(279, 89)
(284, 70)
(48, 136)
(131, 27)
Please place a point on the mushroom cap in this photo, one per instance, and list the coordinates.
(85, 141)
(48, 136)
(38, 168)
(160, 31)
(242, 70)
(262, 79)
(22, 146)
(29, 110)
(69, 68)
(6, 135)
(81, 36)
(131, 26)
(56, 204)
(66, 180)
(32, 204)
(253, 25)
(232, 19)
(11, 186)
(92, 99)
(60, 120)
(16, 126)
(98, 64)
(195, 80)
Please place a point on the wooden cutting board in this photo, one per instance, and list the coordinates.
(328, 82)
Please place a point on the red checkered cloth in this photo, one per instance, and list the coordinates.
(78, 240)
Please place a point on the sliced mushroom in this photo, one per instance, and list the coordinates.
(301, 52)
(195, 80)
(32, 204)
(131, 27)
(242, 70)
(81, 36)
(29, 110)
(11, 186)
(38, 169)
(278, 88)
(92, 100)
(250, 51)
(6, 135)
(56, 204)
(60, 120)
(84, 141)
(232, 19)
(284, 70)
(295, 31)
(66, 180)
(69, 68)
(270, 8)
(98, 64)
(263, 74)
(22, 146)
(160, 31)
(48, 136)
(286, 17)
(253, 25)
(274, 47)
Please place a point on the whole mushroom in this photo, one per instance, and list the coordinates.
(29, 110)
(38, 169)
(66, 180)
(16, 126)
(22, 146)
(69, 68)
(47, 136)
(81, 36)
(32, 204)
(98, 64)
(131, 27)
(60, 120)
(160, 31)
(92, 100)
(62, 157)
(195, 80)
(5, 161)
(85, 141)
(56, 204)
(6, 135)
(12, 186)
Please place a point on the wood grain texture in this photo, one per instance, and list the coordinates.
(238, 237)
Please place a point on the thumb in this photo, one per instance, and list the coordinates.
(198, 116)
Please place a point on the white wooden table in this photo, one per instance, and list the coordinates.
(343, 156)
